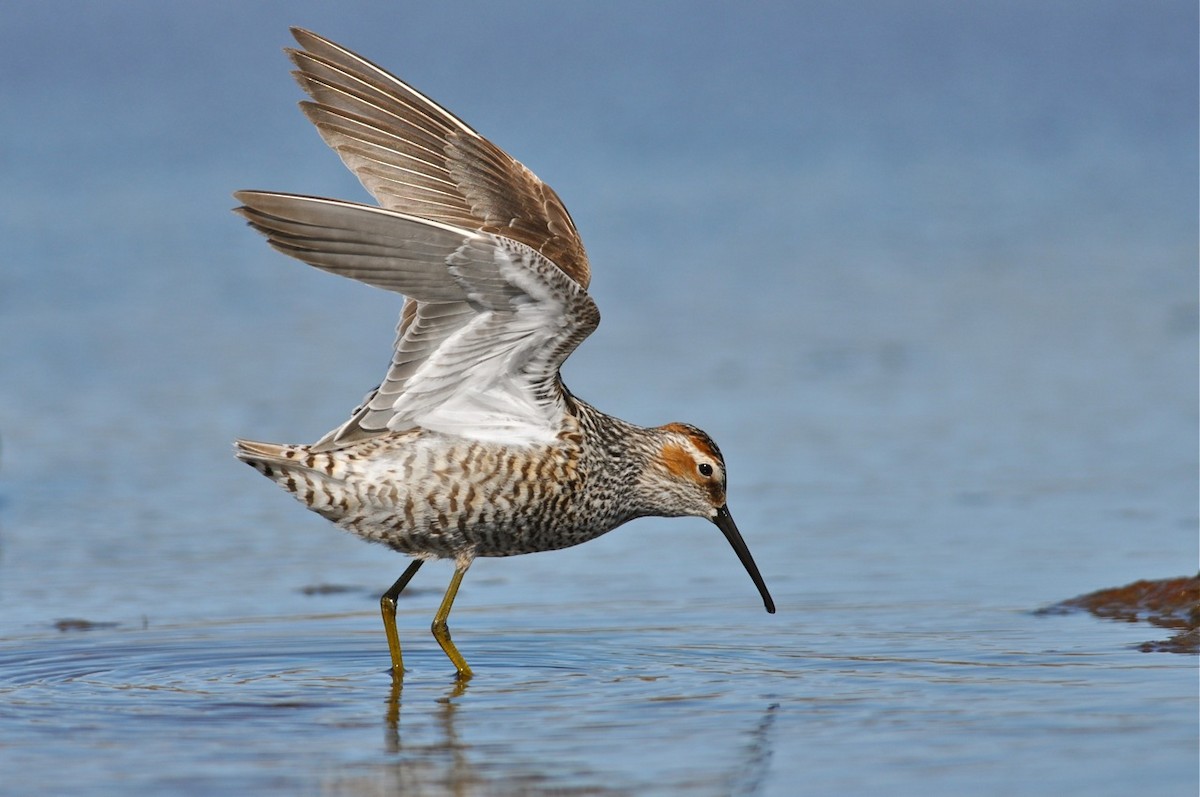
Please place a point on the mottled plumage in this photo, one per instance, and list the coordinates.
(471, 446)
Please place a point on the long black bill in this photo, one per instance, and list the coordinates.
(725, 523)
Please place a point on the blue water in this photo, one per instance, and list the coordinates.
(927, 273)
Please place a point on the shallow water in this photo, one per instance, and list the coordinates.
(301, 704)
(928, 278)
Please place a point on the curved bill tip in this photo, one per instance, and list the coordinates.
(725, 523)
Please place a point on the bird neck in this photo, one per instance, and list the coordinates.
(619, 453)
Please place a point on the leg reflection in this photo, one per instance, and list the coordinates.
(391, 719)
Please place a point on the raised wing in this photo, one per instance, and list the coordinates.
(494, 319)
(418, 158)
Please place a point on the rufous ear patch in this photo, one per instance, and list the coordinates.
(679, 462)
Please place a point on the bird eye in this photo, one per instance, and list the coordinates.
(705, 469)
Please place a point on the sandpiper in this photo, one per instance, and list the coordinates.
(472, 445)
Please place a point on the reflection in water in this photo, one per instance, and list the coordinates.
(252, 689)
(449, 765)
(752, 774)
(455, 774)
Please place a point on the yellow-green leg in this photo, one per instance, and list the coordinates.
(441, 632)
(387, 605)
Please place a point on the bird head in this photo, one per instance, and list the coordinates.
(687, 478)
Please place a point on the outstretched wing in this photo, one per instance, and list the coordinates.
(418, 158)
(494, 318)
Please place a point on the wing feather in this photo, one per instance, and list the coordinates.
(486, 253)
(386, 131)
(493, 321)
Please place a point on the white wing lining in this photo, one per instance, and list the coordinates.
(494, 372)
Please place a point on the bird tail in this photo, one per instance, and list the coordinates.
(271, 459)
(310, 477)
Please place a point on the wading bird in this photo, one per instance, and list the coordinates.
(472, 445)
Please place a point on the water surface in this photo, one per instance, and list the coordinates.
(928, 276)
